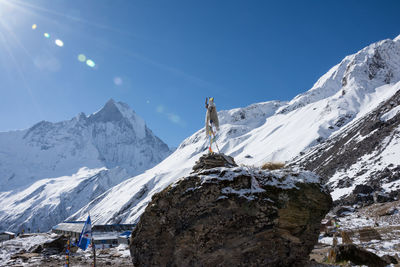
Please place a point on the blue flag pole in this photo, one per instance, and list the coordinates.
(86, 235)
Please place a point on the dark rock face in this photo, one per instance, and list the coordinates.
(56, 246)
(368, 135)
(363, 189)
(232, 217)
(358, 256)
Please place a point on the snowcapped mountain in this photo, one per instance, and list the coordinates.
(49, 201)
(51, 170)
(270, 131)
(363, 158)
(113, 136)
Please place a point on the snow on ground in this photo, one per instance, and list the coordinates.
(367, 165)
(10, 247)
(371, 217)
(49, 201)
(15, 252)
(283, 178)
(390, 115)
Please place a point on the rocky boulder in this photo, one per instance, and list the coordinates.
(360, 256)
(232, 217)
(212, 160)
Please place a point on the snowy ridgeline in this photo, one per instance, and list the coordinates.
(268, 131)
(49, 171)
(112, 137)
(48, 202)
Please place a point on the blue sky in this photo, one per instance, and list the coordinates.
(164, 57)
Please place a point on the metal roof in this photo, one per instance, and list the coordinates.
(75, 227)
(7, 233)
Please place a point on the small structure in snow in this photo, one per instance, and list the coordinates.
(6, 236)
(124, 237)
(105, 236)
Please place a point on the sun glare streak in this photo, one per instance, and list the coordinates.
(7, 28)
(21, 74)
(34, 26)
(97, 25)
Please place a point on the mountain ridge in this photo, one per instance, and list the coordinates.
(268, 136)
(48, 171)
(48, 149)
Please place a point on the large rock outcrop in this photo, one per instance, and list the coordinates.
(236, 216)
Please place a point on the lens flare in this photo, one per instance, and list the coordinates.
(81, 57)
(59, 43)
(118, 81)
(34, 26)
(90, 63)
(46, 35)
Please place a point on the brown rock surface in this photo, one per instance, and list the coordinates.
(232, 217)
(212, 160)
(358, 256)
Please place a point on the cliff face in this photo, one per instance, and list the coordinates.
(232, 216)
(361, 163)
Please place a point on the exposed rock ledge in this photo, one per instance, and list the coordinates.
(232, 217)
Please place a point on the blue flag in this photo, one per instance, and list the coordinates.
(86, 235)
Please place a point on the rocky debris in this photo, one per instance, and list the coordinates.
(389, 211)
(389, 259)
(16, 252)
(24, 256)
(358, 256)
(213, 160)
(380, 232)
(56, 245)
(367, 234)
(232, 217)
(365, 138)
(342, 210)
(380, 197)
(37, 249)
(363, 189)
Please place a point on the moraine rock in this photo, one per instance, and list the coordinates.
(236, 216)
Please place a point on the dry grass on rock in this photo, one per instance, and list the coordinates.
(273, 166)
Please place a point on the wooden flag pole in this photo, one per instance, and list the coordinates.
(94, 252)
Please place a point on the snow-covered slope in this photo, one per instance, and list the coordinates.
(51, 170)
(271, 131)
(364, 153)
(113, 136)
(49, 201)
(125, 202)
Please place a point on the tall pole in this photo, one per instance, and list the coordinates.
(94, 251)
(67, 252)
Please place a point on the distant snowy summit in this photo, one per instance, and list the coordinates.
(113, 136)
(373, 66)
